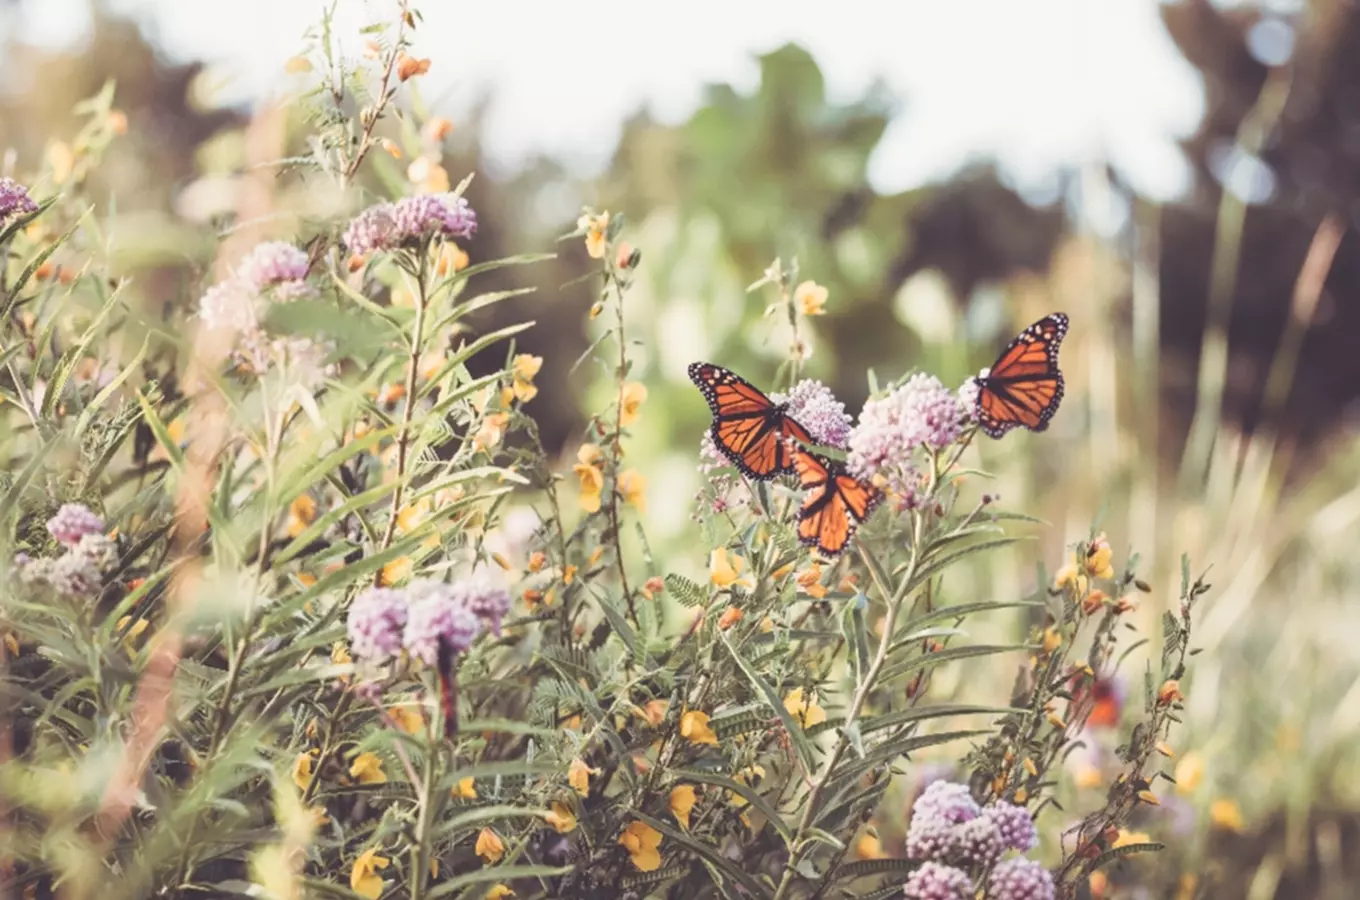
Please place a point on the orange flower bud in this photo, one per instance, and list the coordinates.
(731, 616)
(409, 67)
(1170, 692)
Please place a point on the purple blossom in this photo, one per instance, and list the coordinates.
(1013, 825)
(813, 406)
(14, 199)
(975, 843)
(99, 549)
(485, 599)
(438, 616)
(386, 226)
(935, 817)
(921, 413)
(1020, 879)
(271, 263)
(947, 800)
(968, 394)
(74, 574)
(376, 620)
(229, 305)
(72, 522)
(934, 881)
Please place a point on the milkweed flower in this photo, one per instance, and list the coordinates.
(14, 200)
(376, 620)
(934, 881)
(485, 599)
(388, 226)
(272, 263)
(812, 405)
(75, 575)
(72, 522)
(1013, 825)
(922, 413)
(438, 617)
(1020, 879)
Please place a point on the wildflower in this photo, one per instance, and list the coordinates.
(271, 263)
(389, 145)
(568, 573)
(398, 570)
(375, 623)
(489, 846)
(438, 617)
(654, 713)
(1020, 879)
(810, 581)
(436, 129)
(409, 67)
(14, 200)
(631, 398)
(682, 802)
(1226, 815)
(491, 431)
(869, 846)
(371, 230)
(1169, 692)
(749, 776)
(441, 214)
(976, 843)
(407, 719)
(367, 767)
(561, 818)
(72, 522)
(578, 776)
(813, 406)
(725, 570)
(1093, 602)
(920, 413)
(642, 842)
(694, 728)
(653, 586)
(1052, 639)
(934, 881)
(595, 227)
(633, 487)
(363, 878)
(1070, 576)
(810, 298)
(499, 892)
(1013, 825)
(968, 395)
(731, 616)
(804, 709)
(302, 770)
(590, 476)
(1098, 556)
(537, 560)
(301, 514)
(74, 574)
(627, 257)
(1189, 772)
(485, 599)
(941, 807)
(525, 368)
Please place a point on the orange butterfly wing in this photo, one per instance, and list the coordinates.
(834, 505)
(1025, 386)
(749, 429)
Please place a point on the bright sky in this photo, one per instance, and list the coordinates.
(1037, 84)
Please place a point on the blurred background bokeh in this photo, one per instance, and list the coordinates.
(950, 172)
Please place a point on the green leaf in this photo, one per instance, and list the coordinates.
(796, 734)
(61, 373)
(863, 868)
(494, 873)
(1127, 850)
(941, 562)
(930, 660)
(687, 592)
(753, 887)
(964, 610)
(746, 791)
(87, 414)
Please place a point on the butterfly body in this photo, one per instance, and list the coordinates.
(835, 503)
(755, 433)
(1025, 386)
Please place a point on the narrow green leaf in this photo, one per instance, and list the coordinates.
(796, 734)
(494, 873)
(746, 791)
(730, 869)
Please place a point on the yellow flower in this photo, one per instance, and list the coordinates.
(694, 728)
(568, 573)
(489, 847)
(1227, 815)
(578, 776)
(499, 892)
(633, 487)
(407, 719)
(525, 368)
(810, 580)
(1098, 556)
(491, 432)
(302, 770)
(364, 877)
(436, 129)
(1052, 639)
(654, 713)
(397, 570)
(724, 570)
(634, 394)
(409, 66)
(1087, 777)
(682, 801)
(869, 847)
(561, 818)
(642, 842)
(301, 513)
(749, 776)
(465, 789)
(811, 298)
(805, 711)
(595, 226)
(1070, 575)
(1127, 837)
(451, 257)
(367, 767)
(1189, 772)
(592, 480)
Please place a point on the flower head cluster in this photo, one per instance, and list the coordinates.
(424, 617)
(952, 833)
(271, 264)
(934, 881)
(813, 406)
(14, 200)
(89, 553)
(388, 226)
(921, 414)
(1020, 879)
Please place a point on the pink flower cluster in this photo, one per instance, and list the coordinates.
(89, 553)
(14, 200)
(390, 226)
(424, 617)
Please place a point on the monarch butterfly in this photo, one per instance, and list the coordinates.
(750, 429)
(835, 503)
(1024, 386)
